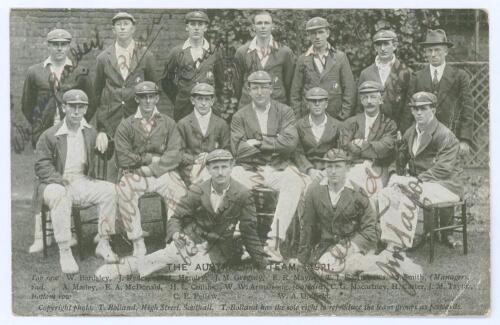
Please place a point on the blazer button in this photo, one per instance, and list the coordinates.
(123, 103)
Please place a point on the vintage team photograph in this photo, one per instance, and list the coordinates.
(250, 162)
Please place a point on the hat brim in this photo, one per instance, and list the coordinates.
(383, 39)
(59, 40)
(219, 159)
(197, 19)
(316, 97)
(114, 20)
(332, 160)
(421, 104)
(316, 27)
(202, 93)
(76, 102)
(449, 44)
(370, 91)
(147, 92)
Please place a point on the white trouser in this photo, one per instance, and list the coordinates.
(82, 191)
(132, 186)
(399, 214)
(290, 184)
(174, 261)
(368, 177)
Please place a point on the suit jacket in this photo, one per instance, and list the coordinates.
(436, 159)
(195, 217)
(336, 78)
(308, 149)
(455, 104)
(50, 159)
(116, 96)
(181, 74)
(352, 220)
(193, 142)
(280, 65)
(278, 144)
(133, 144)
(381, 142)
(42, 95)
(395, 90)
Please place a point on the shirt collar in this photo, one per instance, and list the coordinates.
(324, 181)
(187, 44)
(202, 117)
(427, 127)
(213, 191)
(49, 61)
(138, 113)
(129, 48)
(318, 125)
(439, 68)
(253, 44)
(390, 63)
(63, 130)
(371, 118)
(268, 106)
(310, 51)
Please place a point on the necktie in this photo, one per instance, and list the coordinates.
(435, 81)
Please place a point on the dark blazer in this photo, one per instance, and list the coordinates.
(308, 149)
(336, 78)
(115, 96)
(437, 157)
(193, 142)
(280, 65)
(195, 217)
(133, 144)
(181, 74)
(395, 90)
(455, 104)
(353, 220)
(50, 158)
(278, 144)
(381, 140)
(42, 95)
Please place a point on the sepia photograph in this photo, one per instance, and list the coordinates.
(249, 162)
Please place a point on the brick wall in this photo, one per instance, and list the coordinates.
(29, 28)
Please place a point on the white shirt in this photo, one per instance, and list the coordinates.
(317, 129)
(334, 196)
(203, 121)
(439, 69)
(416, 142)
(262, 117)
(384, 69)
(216, 198)
(56, 73)
(76, 156)
(196, 52)
(262, 52)
(124, 57)
(319, 59)
(369, 120)
(146, 124)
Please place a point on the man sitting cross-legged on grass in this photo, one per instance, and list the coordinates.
(201, 231)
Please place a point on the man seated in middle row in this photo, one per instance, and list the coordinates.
(148, 153)
(263, 139)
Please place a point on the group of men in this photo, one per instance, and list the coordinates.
(296, 132)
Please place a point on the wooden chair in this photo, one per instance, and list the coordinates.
(265, 203)
(432, 219)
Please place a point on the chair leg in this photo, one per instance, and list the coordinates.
(78, 229)
(464, 227)
(44, 231)
(432, 234)
(163, 211)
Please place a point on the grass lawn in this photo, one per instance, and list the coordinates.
(453, 285)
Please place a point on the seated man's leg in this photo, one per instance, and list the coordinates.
(370, 179)
(103, 194)
(249, 179)
(129, 189)
(59, 200)
(171, 187)
(290, 185)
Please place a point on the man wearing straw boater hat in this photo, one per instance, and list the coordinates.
(451, 86)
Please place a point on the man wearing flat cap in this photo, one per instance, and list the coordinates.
(148, 154)
(339, 223)
(318, 132)
(263, 52)
(194, 61)
(264, 139)
(201, 231)
(391, 73)
(370, 139)
(201, 132)
(326, 67)
(64, 166)
(44, 86)
(120, 68)
(450, 85)
(430, 150)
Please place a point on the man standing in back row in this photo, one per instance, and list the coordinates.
(326, 67)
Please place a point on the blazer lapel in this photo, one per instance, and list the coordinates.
(330, 62)
(62, 147)
(377, 124)
(427, 136)
(445, 83)
(205, 198)
(272, 120)
(228, 199)
(195, 125)
(112, 59)
(411, 139)
(361, 121)
(325, 201)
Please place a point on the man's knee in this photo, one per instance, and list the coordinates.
(55, 194)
